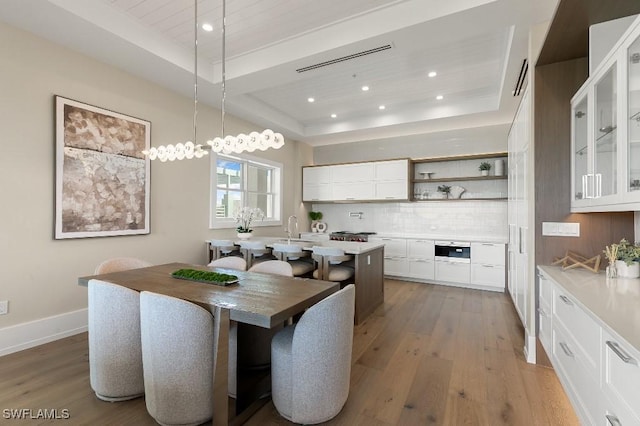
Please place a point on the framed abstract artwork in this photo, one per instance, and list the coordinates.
(102, 177)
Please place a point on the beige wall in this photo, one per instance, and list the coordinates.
(39, 273)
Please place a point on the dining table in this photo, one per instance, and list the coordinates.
(257, 299)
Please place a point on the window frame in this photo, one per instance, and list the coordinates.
(230, 223)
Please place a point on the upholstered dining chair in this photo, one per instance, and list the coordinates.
(178, 355)
(311, 362)
(231, 262)
(115, 354)
(121, 264)
(300, 260)
(276, 267)
(333, 264)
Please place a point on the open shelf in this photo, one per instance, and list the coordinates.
(458, 179)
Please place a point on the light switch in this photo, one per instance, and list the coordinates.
(550, 228)
(561, 229)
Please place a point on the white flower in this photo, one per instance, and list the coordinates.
(245, 216)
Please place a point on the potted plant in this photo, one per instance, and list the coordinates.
(244, 217)
(626, 257)
(484, 168)
(315, 217)
(444, 189)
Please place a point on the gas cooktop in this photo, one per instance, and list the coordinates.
(361, 237)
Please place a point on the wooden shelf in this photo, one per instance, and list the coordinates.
(461, 199)
(458, 179)
(461, 157)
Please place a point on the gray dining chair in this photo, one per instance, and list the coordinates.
(115, 354)
(311, 361)
(178, 355)
(121, 264)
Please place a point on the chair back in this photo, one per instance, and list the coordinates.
(276, 267)
(230, 262)
(120, 264)
(177, 353)
(115, 354)
(289, 251)
(321, 351)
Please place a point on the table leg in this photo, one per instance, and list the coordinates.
(220, 366)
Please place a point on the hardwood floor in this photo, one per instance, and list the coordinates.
(430, 355)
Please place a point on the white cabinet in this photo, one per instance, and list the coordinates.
(454, 272)
(487, 265)
(605, 126)
(378, 180)
(420, 259)
(316, 183)
(395, 255)
(599, 371)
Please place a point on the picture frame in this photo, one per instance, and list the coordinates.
(102, 176)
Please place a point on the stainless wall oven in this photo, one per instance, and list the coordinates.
(453, 251)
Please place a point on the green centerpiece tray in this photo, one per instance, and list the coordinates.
(207, 277)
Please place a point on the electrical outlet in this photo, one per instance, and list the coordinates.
(4, 307)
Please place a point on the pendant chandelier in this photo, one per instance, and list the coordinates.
(226, 144)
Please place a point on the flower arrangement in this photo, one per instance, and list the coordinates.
(624, 251)
(484, 166)
(445, 189)
(245, 216)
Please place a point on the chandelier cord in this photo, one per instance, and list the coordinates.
(195, 75)
(224, 89)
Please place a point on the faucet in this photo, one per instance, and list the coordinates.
(295, 219)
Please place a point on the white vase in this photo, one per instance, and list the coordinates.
(485, 172)
(245, 235)
(628, 271)
(499, 167)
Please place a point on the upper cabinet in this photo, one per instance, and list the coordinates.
(368, 181)
(462, 177)
(605, 121)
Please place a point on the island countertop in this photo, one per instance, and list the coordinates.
(614, 302)
(349, 247)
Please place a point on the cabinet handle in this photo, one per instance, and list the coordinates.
(386, 239)
(566, 350)
(349, 198)
(621, 353)
(566, 300)
(390, 198)
(542, 312)
(613, 420)
(487, 244)
(598, 186)
(487, 266)
(585, 187)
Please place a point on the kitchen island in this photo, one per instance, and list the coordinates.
(368, 266)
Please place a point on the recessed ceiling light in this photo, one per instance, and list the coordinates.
(207, 27)
(310, 100)
(365, 88)
(334, 115)
(432, 74)
(439, 97)
(381, 107)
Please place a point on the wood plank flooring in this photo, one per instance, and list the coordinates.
(431, 355)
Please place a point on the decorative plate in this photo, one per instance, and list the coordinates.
(321, 226)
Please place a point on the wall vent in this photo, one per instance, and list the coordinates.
(521, 77)
(345, 58)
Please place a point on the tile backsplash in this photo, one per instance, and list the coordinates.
(455, 219)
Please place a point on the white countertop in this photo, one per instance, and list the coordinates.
(484, 239)
(349, 247)
(615, 302)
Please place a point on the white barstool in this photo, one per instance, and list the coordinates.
(255, 252)
(300, 260)
(333, 264)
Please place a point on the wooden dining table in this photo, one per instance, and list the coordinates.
(261, 300)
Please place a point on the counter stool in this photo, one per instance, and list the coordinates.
(300, 261)
(333, 264)
(254, 252)
(223, 248)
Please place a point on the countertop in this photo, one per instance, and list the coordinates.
(484, 239)
(614, 302)
(349, 247)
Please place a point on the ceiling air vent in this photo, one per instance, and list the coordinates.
(521, 77)
(345, 58)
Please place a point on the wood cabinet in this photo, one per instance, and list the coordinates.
(367, 181)
(599, 371)
(462, 175)
(605, 122)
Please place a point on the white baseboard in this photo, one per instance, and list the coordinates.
(34, 333)
(529, 347)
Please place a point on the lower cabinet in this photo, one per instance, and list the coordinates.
(599, 371)
(488, 265)
(455, 272)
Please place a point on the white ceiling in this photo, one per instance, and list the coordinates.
(475, 46)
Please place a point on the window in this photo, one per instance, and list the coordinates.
(246, 181)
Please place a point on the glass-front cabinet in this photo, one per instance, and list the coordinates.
(605, 121)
